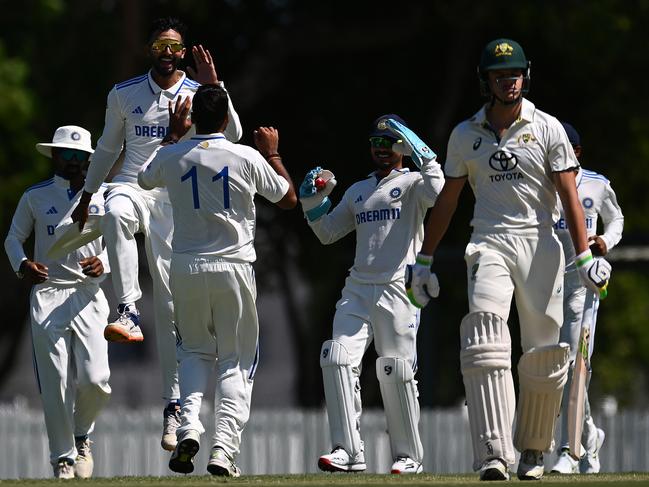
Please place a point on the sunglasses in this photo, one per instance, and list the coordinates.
(381, 142)
(68, 154)
(163, 44)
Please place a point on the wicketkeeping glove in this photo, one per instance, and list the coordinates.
(594, 273)
(314, 200)
(421, 283)
(410, 145)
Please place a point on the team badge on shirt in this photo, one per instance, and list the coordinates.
(395, 192)
(526, 139)
(588, 202)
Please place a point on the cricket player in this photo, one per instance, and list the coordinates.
(516, 158)
(386, 209)
(136, 121)
(597, 199)
(212, 183)
(68, 308)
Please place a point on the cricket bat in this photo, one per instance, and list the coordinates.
(577, 396)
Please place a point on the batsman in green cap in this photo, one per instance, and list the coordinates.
(516, 159)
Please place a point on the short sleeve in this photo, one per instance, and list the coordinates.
(455, 166)
(561, 156)
(268, 183)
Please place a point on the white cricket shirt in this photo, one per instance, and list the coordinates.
(40, 210)
(511, 178)
(212, 184)
(388, 216)
(597, 199)
(137, 117)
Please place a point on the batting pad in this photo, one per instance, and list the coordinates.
(399, 393)
(542, 372)
(343, 400)
(485, 359)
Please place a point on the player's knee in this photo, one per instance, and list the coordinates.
(394, 370)
(545, 369)
(484, 342)
(334, 354)
(95, 381)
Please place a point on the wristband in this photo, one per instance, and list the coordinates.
(423, 259)
(584, 258)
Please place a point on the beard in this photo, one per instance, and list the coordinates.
(166, 71)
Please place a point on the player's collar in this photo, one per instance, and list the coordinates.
(393, 173)
(156, 89)
(527, 113)
(215, 135)
(61, 182)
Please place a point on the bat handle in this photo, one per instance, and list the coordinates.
(603, 291)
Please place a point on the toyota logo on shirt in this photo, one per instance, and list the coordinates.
(502, 161)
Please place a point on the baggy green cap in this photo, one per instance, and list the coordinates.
(502, 54)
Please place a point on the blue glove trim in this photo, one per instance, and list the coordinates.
(315, 213)
(307, 188)
(421, 152)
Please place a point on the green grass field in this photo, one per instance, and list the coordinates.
(326, 480)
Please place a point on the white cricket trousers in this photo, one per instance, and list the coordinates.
(379, 313)
(528, 267)
(216, 316)
(129, 210)
(573, 311)
(70, 361)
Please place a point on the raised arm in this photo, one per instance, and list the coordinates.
(267, 142)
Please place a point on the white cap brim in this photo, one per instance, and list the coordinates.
(45, 148)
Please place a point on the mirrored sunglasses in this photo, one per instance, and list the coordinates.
(381, 142)
(163, 44)
(68, 154)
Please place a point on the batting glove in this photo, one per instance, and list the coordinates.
(594, 273)
(421, 283)
(315, 201)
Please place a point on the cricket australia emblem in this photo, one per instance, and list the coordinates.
(526, 139)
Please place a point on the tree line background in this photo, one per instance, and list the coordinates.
(321, 72)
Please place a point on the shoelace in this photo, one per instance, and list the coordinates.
(83, 448)
(125, 318)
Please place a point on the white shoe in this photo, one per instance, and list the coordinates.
(565, 463)
(530, 465)
(63, 469)
(182, 459)
(494, 469)
(126, 329)
(406, 465)
(170, 423)
(84, 463)
(589, 462)
(221, 464)
(340, 461)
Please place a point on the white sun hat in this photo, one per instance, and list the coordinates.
(67, 137)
